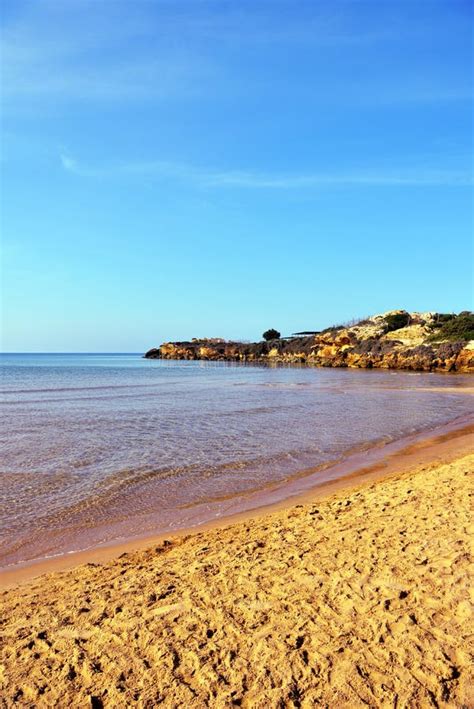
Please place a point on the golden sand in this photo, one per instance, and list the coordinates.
(360, 599)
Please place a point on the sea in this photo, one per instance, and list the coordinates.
(101, 448)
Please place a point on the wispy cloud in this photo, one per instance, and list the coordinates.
(217, 178)
(69, 164)
(122, 51)
(78, 51)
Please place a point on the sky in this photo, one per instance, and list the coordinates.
(174, 169)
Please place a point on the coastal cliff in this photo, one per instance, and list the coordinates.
(394, 340)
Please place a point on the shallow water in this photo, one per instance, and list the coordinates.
(99, 447)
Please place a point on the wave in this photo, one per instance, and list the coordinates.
(104, 387)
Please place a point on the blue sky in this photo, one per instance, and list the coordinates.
(176, 169)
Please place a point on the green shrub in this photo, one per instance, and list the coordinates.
(441, 318)
(395, 321)
(458, 328)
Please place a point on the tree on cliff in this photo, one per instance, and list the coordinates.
(271, 334)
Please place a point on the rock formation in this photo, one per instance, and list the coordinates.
(394, 340)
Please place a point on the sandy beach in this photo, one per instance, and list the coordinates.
(357, 598)
(236, 355)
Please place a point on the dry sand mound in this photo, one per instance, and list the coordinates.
(358, 600)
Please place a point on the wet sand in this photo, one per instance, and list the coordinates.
(357, 598)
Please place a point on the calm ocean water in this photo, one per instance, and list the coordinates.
(99, 447)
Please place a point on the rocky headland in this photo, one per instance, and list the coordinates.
(394, 340)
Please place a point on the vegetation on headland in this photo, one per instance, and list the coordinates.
(395, 321)
(394, 340)
(271, 334)
(455, 328)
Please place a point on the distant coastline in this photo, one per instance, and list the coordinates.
(429, 342)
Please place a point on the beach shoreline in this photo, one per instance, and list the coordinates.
(357, 597)
(441, 445)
